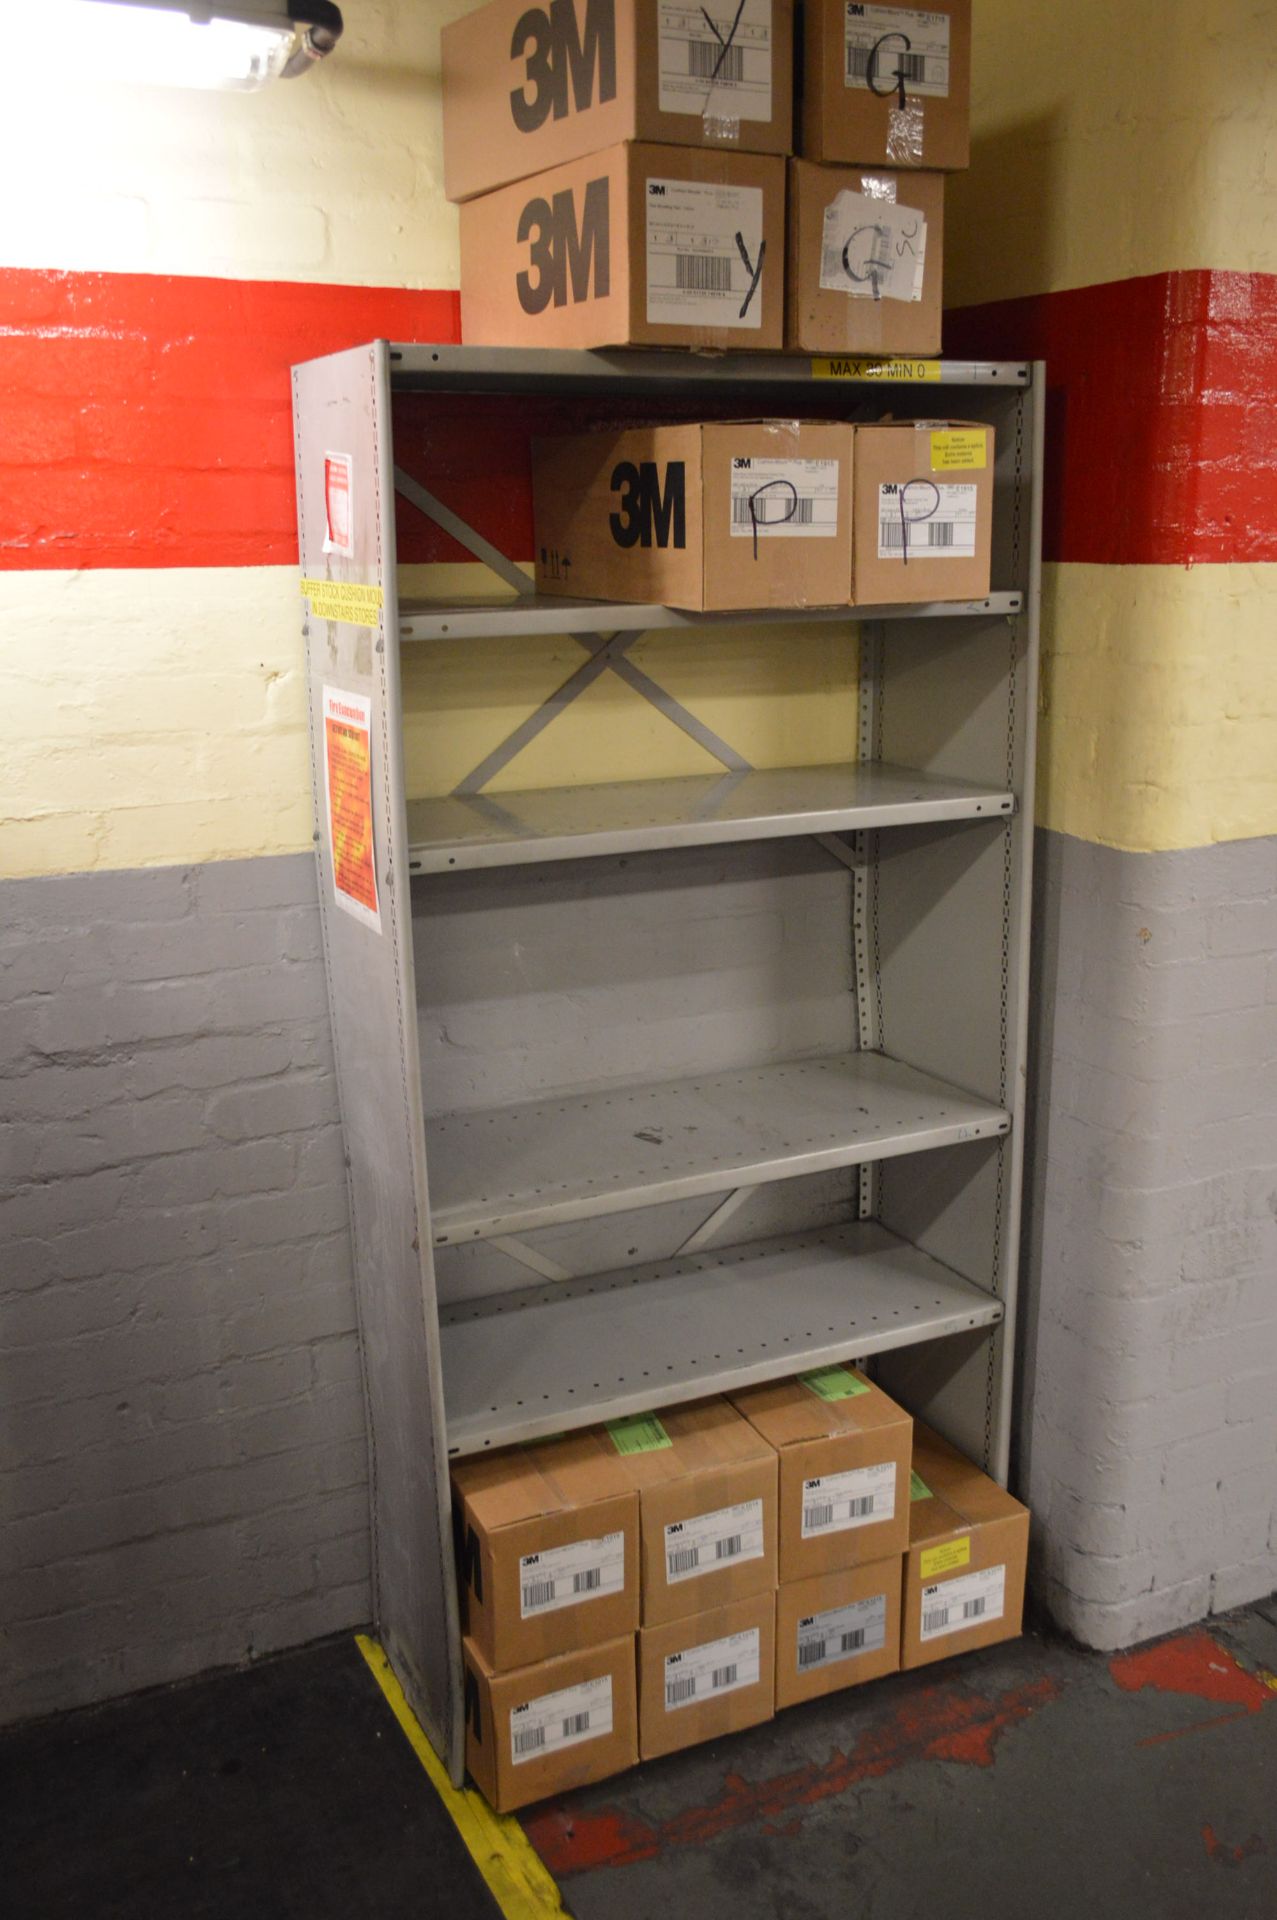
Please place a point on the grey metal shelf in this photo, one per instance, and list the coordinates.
(541, 1162)
(443, 368)
(484, 618)
(527, 1364)
(463, 831)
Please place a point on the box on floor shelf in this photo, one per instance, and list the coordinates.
(837, 1630)
(964, 1571)
(550, 1726)
(526, 88)
(707, 1675)
(865, 261)
(697, 516)
(923, 513)
(887, 86)
(636, 246)
(706, 1484)
(844, 1468)
(547, 1549)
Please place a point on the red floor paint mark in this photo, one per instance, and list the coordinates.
(941, 1723)
(1193, 1664)
(1230, 1856)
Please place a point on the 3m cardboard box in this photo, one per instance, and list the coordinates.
(706, 1484)
(705, 1676)
(865, 260)
(844, 1468)
(968, 1545)
(526, 88)
(836, 1630)
(752, 514)
(923, 511)
(887, 86)
(636, 246)
(548, 1727)
(547, 1549)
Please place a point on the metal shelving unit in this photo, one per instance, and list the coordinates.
(667, 1086)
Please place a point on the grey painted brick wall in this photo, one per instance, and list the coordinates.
(1149, 1438)
(184, 1454)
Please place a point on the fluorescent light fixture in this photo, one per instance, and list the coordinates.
(172, 43)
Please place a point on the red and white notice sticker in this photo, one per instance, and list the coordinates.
(339, 522)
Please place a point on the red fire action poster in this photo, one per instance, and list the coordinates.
(348, 780)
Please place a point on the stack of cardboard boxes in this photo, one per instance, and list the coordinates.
(673, 1578)
(623, 167)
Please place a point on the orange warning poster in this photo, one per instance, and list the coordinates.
(348, 782)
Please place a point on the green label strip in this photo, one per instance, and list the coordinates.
(643, 1434)
(833, 1383)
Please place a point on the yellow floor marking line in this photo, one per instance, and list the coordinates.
(512, 1869)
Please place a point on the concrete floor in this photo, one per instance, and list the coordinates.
(1030, 1780)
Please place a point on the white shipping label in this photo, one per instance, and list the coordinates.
(786, 498)
(912, 47)
(564, 1576)
(873, 250)
(968, 1601)
(834, 1502)
(704, 254)
(842, 1633)
(561, 1719)
(719, 1666)
(923, 520)
(715, 61)
(711, 1541)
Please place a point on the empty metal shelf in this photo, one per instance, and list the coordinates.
(549, 613)
(509, 1169)
(517, 1366)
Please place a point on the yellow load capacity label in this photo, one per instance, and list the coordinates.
(875, 369)
(944, 1558)
(955, 447)
(349, 600)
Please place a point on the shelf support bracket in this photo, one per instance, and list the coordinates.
(709, 1227)
(529, 1257)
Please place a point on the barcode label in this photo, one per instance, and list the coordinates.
(924, 519)
(715, 63)
(718, 1666)
(564, 1576)
(861, 1497)
(913, 47)
(706, 263)
(706, 60)
(928, 533)
(842, 1632)
(561, 1719)
(913, 66)
(703, 272)
(765, 512)
(705, 1542)
(784, 499)
(967, 1600)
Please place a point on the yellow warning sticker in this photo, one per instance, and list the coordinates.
(349, 600)
(958, 447)
(875, 369)
(947, 1556)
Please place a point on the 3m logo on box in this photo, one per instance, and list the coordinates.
(649, 514)
(563, 252)
(563, 61)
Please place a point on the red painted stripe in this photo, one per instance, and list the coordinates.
(146, 420)
(1162, 413)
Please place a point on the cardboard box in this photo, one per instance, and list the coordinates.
(915, 108)
(706, 1484)
(552, 1726)
(527, 88)
(547, 1540)
(837, 1630)
(754, 514)
(636, 246)
(968, 1546)
(844, 1468)
(709, 1675)
(923, 512)
(865, 260)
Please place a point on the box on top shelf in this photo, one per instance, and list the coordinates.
(636, 246)
(844, 1468)
(707, 1675)
(547, 1549)
(836, 1630)
(697, 516)
(865, 260)
(923, 511)
(887, 86)
(550, 1726)
(968, 1546)
(527, 88)
(706, 1483)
